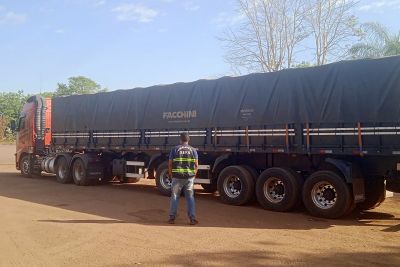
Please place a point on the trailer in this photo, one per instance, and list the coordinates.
(327, 137)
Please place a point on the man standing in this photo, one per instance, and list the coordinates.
(182, 168)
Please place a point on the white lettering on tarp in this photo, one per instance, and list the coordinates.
(188, 114)
(246, 113)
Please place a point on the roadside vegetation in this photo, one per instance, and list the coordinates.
(12, 102)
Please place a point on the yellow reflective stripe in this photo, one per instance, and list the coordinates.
(184, 159)
(183, 170)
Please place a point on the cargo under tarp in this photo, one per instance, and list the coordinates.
(345, 92)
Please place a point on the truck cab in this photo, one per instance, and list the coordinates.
(33, 133)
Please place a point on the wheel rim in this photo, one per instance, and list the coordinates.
(79, 171)
(62, 170)
(232, 186)
(274, 190)
(324, 195)
(25, 166)
(165, 181)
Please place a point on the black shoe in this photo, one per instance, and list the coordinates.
(171, 220)
(193, 221)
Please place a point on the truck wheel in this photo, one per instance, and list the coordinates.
(163, 182)
(79, 172)
(235, 185)
(375, 193)
(25, 166)
(254, 174)
(279, 189)
(209, 188)
(326, 194)
(63, 173)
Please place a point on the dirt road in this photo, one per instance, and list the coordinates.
(43, 223)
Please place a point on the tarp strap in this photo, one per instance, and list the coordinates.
(287, 138)
(308, 137)
(360, 143)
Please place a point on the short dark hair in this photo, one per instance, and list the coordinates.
(184, 137)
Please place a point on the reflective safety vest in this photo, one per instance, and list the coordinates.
(183, 162)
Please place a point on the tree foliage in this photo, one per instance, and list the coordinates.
(267, 37)
(272, 32)
(332, 26)
(11, 103)
(78, 85)
(10, 107)
(377, 41)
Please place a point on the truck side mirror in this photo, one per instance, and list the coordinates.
(13, 125)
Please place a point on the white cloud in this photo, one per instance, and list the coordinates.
(59, 31)
(97, 3)
(135, 12)
(191, 6)
(380, 4)
(11, 17)
(224, 19)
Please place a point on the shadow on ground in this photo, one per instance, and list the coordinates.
(141, 203)
(270, 258)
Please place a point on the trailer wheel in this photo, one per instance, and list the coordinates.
(235, 185)
(375, 193)
(254, 174)
(209, 188)
(279, 189)
(79, 172)
(25, 166)
(326, 194)
(163, 182)
(63, 173)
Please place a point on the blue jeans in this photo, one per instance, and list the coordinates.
(177, 186)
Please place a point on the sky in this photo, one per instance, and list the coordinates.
(125, 43)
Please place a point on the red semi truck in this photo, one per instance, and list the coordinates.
(326, 136)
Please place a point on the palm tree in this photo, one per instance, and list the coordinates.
(377, 42)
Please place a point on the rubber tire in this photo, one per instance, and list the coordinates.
(162, 167)
(209, 188)
(375, 193)
(344, 199)
(247, 185)
(83, 180)
(293, 186)
(68, 177)
(254, 174)
(27, 173)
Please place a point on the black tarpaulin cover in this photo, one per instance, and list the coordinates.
(348, 91)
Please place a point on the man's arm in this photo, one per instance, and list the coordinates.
(196, 166)
(170, 160)
(196, 162)
(170, 168)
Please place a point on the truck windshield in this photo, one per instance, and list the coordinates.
(21, 123)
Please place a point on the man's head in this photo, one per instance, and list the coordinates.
(184, 138)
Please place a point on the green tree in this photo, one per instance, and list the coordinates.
(47, 94)
(303, 64)
(10, 107)
(377, 41)
(78, 85)
(11, 104)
